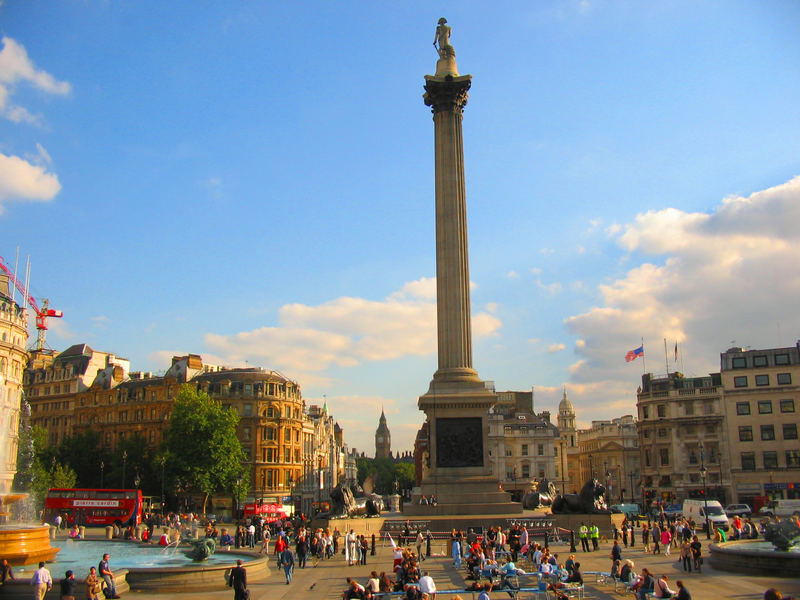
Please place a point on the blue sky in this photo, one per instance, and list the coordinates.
(254, 183)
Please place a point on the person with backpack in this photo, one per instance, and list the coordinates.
(286, 561)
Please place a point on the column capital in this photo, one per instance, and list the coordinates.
(447, 94)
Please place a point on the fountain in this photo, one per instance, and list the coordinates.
(23, 544)
(778, 554)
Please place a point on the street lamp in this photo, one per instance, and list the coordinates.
(124, 462)
(102, 468)
(631, 476)
(163, 462)
(703, 474)
(591, 468)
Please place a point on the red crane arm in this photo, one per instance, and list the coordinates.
(19, 286)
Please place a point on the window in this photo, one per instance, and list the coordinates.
(740, 381)
(664, 452)
(645, 412)
(781, 359)
(540, 449)
(647, 459)
(770, 460)
(688, 408)
(693, 457)
(646, 434)
(739, 362)
(742, 408)
(662, 411)
(526, 471)
(787, 406)
(745, 433)
(248, 410)
(662, 432)
(748, 461)
(765, 407)
(508, 451)
(784, 378)
(760, 361)
(790, 431)
(767, 433)
(762, 380)
(792, 458)
(524, 449)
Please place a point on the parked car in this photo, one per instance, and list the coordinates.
(743, 510)
(673, 510)
(631, 511)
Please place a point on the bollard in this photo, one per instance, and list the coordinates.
(546, 540)
(372, 550)
(109, 532)
(572, 540)
(82, 531)
(52, 532)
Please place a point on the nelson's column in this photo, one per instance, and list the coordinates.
(457, 402)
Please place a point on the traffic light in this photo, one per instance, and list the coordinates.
(702, 493)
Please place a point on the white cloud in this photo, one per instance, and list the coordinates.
(550, 288)
(613, 229)
(16, 67)
(346, 332)
(22, 180)
(711, 278)
(512, 275)
(553, 348)
(491, 307)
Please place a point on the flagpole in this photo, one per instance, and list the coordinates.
(666, 357)
(644, 359)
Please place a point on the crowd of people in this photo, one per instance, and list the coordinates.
(98, 580)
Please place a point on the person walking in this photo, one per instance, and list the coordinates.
(419, 541)
(301, 549)
(646, 538)
(238, 581)
(583, 533)
(68, 586)
(656, 539)
(107, 576)
(41, 581)
(666, 540)
(287, 562)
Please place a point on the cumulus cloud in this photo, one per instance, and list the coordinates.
(346, 332)
(23, 180)
(553, 348)
(550, 288)
(512, 275)
(15, 68)
(700, 279)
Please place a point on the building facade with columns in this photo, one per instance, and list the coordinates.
(13, 358)
(609, 452)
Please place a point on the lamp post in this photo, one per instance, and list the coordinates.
(102, 469)
(124, 463)
(163, 462)
(631, 476)
(591, 468)
(608, 478)
(705, 496)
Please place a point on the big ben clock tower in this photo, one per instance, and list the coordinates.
(383, 439)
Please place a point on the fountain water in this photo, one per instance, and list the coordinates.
(23, 544)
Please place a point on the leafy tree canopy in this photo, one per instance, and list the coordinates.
(386, 471)
(202, 449)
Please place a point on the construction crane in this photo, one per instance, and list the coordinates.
(42, 314)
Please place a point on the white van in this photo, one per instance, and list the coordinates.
(695, 509)
(781, 508)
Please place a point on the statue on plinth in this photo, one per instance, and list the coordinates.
(591, 500)
(443, 38)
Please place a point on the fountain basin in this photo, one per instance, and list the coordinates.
(26, 545)
(754, 557)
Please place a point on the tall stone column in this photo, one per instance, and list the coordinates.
(457, 402)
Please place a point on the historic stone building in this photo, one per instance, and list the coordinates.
(609, 452)
(682, 434)
(13, 357)
(521, 443)
(567, 453)
(762, 400)
(53, 381)
(383, 439)
(295, 455)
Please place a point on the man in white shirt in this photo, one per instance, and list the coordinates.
(427, 586)
(41, 582)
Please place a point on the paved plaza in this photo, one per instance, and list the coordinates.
(327, 579)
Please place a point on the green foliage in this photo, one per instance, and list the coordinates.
(386, 471)
(203, 451)
(46, 470)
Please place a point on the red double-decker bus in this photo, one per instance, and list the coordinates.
(94, 506)
(270, 512)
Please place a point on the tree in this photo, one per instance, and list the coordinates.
(40, 468)
(386, 472)
(203, 451)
